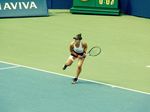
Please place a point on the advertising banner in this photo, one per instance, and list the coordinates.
(18, 8)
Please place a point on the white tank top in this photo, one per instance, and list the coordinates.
(78, 49)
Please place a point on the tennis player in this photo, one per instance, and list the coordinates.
(78, 50)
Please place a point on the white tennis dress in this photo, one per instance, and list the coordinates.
(79, 49)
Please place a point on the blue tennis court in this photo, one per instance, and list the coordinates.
(26, 89)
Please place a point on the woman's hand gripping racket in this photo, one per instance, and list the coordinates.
(94, 51)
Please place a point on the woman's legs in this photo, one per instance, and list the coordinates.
(69, 62)
(79, 69)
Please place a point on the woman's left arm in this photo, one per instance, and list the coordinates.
(85, 49)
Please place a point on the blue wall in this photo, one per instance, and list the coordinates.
(132, 7)
(59, 4)
(135, 7)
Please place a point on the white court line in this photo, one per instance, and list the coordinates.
(110, 85)
(11, 67)
(148, 66)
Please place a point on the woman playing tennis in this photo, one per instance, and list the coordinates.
(78, 50)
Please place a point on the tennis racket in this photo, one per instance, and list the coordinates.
(94, 51)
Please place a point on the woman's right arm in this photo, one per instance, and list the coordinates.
(71, 50)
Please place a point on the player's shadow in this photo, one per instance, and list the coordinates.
(82, 82)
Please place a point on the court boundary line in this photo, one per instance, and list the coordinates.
(11, 67)
(97, 82)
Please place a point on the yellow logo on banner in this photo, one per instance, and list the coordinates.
(108, 2)
(101, 2)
